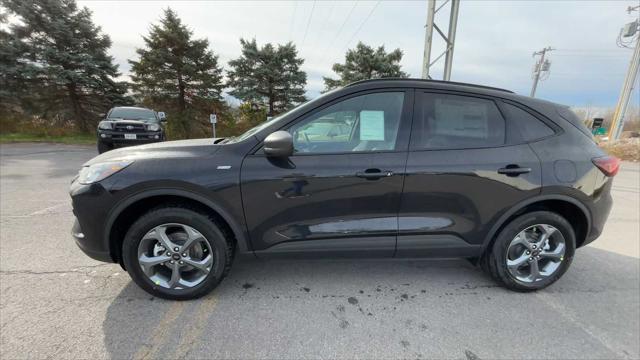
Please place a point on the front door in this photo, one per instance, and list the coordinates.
(339, 194)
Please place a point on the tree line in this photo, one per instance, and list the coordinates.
(56, 72)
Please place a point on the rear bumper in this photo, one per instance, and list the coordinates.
(600, 209)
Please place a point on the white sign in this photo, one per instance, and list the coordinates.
(213, 118)
(372, 125)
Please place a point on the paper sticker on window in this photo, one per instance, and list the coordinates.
(372, 125)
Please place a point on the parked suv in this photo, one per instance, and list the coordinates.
(128, 125)
(408, 168)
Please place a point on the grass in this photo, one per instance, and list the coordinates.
(79, 139)
(625, 149)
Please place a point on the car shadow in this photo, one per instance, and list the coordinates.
(141, 326)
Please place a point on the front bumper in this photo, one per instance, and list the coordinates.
(117, 138)
(87, 246)
(89, 204)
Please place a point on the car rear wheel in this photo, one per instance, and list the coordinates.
(531, 252)
(177, 253)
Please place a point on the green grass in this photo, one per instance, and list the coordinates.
(83, 139)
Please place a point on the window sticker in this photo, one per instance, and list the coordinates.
(372, 125)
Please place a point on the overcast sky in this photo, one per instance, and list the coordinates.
(494, 45)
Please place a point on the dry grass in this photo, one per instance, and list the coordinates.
(625, 149)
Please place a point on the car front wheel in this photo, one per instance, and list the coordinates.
(531, 252)
(177, 253)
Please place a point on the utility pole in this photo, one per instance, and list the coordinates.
(449, 39)
(541, 66)
(630, 31)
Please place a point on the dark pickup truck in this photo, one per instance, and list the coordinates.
(128, 125)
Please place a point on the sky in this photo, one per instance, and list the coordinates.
(494, 43)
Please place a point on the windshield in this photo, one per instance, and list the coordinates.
(266, 124)
(133, 114)
(257, 128)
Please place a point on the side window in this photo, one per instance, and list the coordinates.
(446, 121)
(362, 123)
(526, 126)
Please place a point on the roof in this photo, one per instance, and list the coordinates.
(428, 81)
(131, 107)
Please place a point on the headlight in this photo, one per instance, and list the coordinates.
(153, 127)
(100, 171)
(105, 125)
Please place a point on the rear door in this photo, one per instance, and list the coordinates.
(339, 194)
(464, 170)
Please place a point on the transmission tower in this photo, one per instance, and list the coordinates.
(449, 39)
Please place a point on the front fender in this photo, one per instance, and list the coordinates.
(187, 191)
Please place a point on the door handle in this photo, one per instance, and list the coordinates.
(373, 174)
(513, 170)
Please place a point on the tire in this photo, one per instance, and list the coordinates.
(213, 236)
(495, 259)
(102, 147)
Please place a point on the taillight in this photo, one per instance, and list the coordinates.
(609, 165)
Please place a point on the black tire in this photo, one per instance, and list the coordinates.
(220, 241)
(102, 147)
(494, 260)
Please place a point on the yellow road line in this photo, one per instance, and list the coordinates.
(192, 337)
(160, 333)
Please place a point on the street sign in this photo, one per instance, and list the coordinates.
(600, 131)
(597, 123)
(213, 118)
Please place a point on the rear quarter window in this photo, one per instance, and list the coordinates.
(566, 113)
(526, 127)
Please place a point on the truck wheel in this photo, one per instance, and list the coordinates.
(102, 147)
(175, 252)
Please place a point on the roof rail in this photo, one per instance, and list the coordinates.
(430, 81)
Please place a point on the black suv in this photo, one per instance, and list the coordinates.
(379, 168)
(128, 125)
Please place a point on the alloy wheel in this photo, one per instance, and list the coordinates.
(535, 253)
(175, 256)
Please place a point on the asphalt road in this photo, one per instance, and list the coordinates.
(57, 303)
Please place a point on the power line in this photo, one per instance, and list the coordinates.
(326, 19)
(308, 23)
(339, 30)
(362, 24)
(293, 18)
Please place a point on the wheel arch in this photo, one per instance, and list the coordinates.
(124, 214)
(571, 209)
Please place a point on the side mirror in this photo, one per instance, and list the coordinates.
(278, 144)
(162, 116)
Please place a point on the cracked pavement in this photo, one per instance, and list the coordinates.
(55, 302)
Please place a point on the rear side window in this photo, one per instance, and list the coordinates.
(445, 121)
(526, 127)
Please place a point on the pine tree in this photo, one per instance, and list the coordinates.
(177, 73)
(55, 60)
(269, 76)
(365, 62)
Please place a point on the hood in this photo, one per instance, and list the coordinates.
(160, 150)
